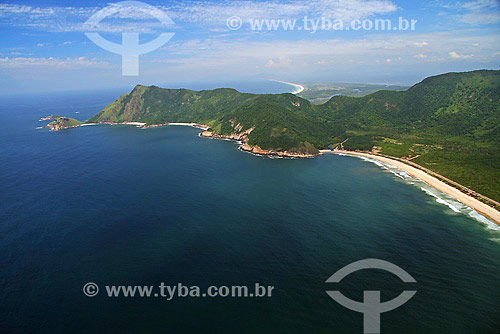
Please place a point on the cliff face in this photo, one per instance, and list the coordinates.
(154, 105)
(454, 104)
(273, 122)
(128, 108)
(242, 137)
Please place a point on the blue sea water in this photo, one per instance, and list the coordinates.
(118, 205)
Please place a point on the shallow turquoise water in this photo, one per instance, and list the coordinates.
(117, 205)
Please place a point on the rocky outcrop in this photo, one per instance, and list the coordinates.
(243, 139)
(61, 123)
(285, 154)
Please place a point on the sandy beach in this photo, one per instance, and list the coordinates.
(477, 205)
(134, 123)
(193, 125)
(298, 88)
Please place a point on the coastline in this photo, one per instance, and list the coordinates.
(465, 199)
(298, 88)
(136, 124)
(242, 138)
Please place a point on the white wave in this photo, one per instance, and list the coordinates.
(484, 220)
(378, 163)
(398, 175)
(459, 207)
(445, 199)
(39, 127)
(254, 154)
(440, 197)
(448, 204)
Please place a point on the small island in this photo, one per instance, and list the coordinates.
(61, 122)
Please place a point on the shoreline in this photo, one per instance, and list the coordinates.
(141, 125)
(298, 88)
(432, 181)
(242, 138)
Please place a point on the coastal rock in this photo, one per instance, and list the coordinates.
(243, 139)
(60, 123)
(207, 134)
(284, 154)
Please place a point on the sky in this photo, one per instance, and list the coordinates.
(44, 46)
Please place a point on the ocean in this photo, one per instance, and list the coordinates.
(119, 205)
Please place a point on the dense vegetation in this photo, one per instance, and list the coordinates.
(281, 121)
(320, 93)
(60, 122)
(448, 123)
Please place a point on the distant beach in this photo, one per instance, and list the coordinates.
(469, 201)
(298, 88)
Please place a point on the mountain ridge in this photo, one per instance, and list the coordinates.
(449, 123)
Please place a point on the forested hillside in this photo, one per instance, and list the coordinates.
(448, 123)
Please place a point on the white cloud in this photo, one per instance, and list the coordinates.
(480, 18)
(69, 19)
(242, 53)
(481, 12)
(270, 63)
(421, 44)
(50, 62)
(202, 12)
(480, 4)
(379, 45)
(283, 61)
(343, 9)
(309, 56)
(455, 55)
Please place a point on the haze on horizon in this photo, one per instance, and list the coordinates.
(44, 47)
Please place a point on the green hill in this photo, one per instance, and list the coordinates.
(452, 104)
(448, 123)
(60, 122)
(281, 122)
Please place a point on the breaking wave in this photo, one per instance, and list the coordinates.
(439, 196)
